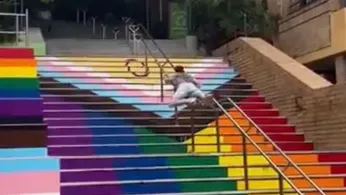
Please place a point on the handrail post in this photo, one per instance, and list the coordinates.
(103, 26)
(84, 17)
(217, 129)
(93, 20)
(192, 130)
(17, 30)
(245, 163)
(77, 15)
(281, 185)
(26, 27)
(161, 83)
(115, 31)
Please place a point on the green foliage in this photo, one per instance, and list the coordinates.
(6, 22)
(232, 15)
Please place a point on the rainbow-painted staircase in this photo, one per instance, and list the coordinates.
(108, 133)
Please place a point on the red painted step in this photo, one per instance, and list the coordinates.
(338, 169)
(16, 53)
(269, 120)
(295, 146)
(278, 128)
(266, 112)
(253, 98)
(277, 137)
(332, 157)
(254, 105)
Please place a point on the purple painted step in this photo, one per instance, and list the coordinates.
(71, 151)
(70, 131)
(88, 176)
(69, 140)
(87, 163)
(52, 123)
(57, 114)
(21, 107)
(65, 106)
(91, 190)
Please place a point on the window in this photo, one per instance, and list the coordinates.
(296, 5)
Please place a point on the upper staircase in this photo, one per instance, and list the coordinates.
(114, 135)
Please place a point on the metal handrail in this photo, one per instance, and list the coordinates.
(245, 137)
(156, 45)
(290, 162)
(147, 50)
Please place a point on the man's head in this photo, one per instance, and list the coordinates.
(179, 69)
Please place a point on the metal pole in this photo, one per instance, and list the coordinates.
(161, 83)
(77, 16)
(148, 14)
(15, 6)
(27, 27)
(93, 19)
(17, 30)
(21, 11)
(161, 11)
(245, 163)
(192, 130)
(245, 24)
(218, 142)
(84, 17)
(103, 31)
(281, 185)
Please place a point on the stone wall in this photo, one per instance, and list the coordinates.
(314, 105)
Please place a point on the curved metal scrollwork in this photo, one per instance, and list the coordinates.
(143, 65)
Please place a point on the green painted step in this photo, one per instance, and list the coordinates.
(208, 186)
(158, 149)
(217, 172)
(19, 83)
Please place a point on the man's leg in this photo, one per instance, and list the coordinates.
(179, 97)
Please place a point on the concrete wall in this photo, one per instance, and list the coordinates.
(314, 105)
(306, 31)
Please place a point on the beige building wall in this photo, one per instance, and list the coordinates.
(312, 33)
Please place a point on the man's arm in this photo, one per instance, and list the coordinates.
(167, 79)
(196, 82)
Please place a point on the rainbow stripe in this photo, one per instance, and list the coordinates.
(19, 88)
(232, 144)
(101, 70)
(28, 171)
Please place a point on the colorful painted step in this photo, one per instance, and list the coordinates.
(28, 171)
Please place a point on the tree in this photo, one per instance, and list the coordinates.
(6, 22)
(246, 16)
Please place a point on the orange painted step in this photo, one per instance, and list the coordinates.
(238, 139)
(236, 131)
(251, 148)
(297, 158)
(328, 193)
(324, 182)
(18, 62)
(309, 170)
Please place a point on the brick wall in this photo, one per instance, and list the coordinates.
(314, 105)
